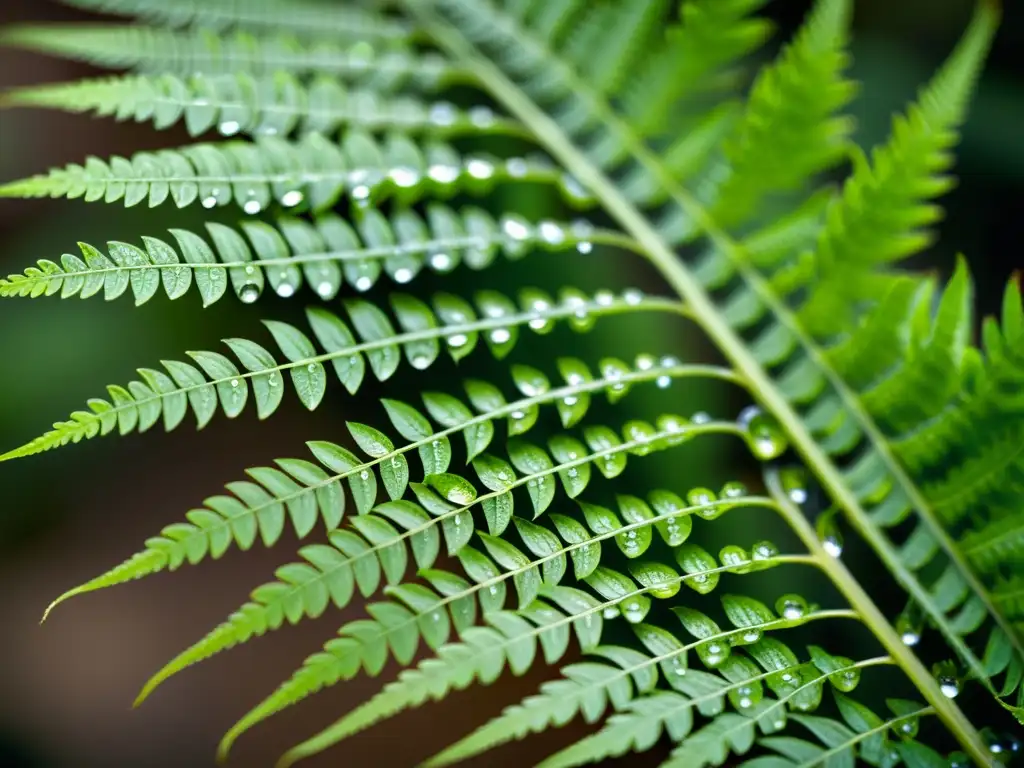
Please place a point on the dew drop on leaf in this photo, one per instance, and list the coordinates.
(249, 293)
(791, 607)
(764, 435)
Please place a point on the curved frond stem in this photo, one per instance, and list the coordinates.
(342, 729)
(707, 315)
(823, 758)
(58, 437)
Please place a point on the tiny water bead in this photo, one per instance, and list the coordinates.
(713, 653)
(633, 296)
(791, 607)
(909, 625)
(828, 533)
(908, 727)
(765, 437)
(960, 760)
(1004, 747)
(845, 680)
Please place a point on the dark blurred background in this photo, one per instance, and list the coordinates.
(66, 687)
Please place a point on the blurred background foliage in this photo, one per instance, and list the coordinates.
(66, 516)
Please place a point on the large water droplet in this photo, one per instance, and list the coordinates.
(733, 490)
(791, 607)
(249, 293)
(209, 201)
(252, 207)
(764, 436)
(458, 340)
(403, 275)
(441, 262)
(633, 296)
(480, 169)
(949, 681)
(364, 283)
(229, 127)
(285, 290)
(292, 198)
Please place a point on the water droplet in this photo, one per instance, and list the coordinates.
(907, 727)
(909, 625)
(482, 117)
(325, 289)
(420, 362)
(712, 653)
(517, 415)
(632, 296)
(292, 198)
(764, 550)
(604, 298)
(248, 293)
(364, 475)
(766, 439)
(828, 533)
(458, 340)
(494, 590)
(516, 167)
(252, 207)
(441, 262)
(791, 607)
(795, 483)
(311, 367)
(360, 192)
(634, 612)
(404, 177)
(250, 269)
(573, 190)
(949, 681)
(364, 283)
(442, 113)
(551, 233)
(480, 169)
(573, 472)
(443, 174)
(229, 127)
(610, 613)
(285, 290)
(517, 229)
(959, 760)
(847, 679)
(733, 490)
(664, 382)
(570, 400)
(403, 275)
(645, 362)
(585, 247)
(703, 498)
(209, 202)
(701, 417)
(234, 383)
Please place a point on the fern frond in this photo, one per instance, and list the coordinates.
(309, 18)
(788, 131)
(483, 654)
(226, 519)
(163, 51)
(218, 381)
(277, 104)
(325, 254)
(255, 174)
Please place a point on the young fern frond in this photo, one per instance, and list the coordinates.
(868, 371)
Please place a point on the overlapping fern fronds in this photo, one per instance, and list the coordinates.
(350, 162)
